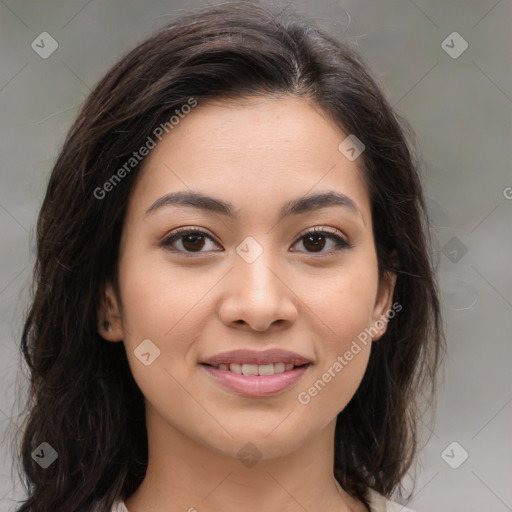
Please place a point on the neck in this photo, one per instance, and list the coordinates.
(184, 474)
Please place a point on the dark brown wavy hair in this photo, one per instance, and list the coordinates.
(83, 400)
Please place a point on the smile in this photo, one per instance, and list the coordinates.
(256, 373)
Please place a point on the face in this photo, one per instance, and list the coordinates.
(259, 282)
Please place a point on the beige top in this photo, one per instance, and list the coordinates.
(378, 503)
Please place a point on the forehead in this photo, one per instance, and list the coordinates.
(256, 150)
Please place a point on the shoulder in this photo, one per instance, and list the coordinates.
(379, 503)
(119, 506)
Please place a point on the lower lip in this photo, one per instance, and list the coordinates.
(256, 385)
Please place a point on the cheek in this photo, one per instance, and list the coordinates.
(333, 386)
(344, 307)
(162, 316)
(156, 307)
(160, 300)
(344, 299)
(344, 347)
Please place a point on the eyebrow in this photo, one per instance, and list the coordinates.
(294, 207)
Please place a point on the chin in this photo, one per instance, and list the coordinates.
(268, 440)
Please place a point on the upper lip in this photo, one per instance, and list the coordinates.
(257, 357)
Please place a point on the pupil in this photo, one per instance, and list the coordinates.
(315, 245)
(192, 238)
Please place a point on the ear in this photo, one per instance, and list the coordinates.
(383, 304)
(109, 315)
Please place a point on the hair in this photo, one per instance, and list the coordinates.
(82, 398)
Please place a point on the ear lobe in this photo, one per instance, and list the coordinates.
(110, 324)
(383, 303)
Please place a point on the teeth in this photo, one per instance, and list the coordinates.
(250, 369)
(235, 368)
(266, 369)
(257, 369)
(281, 367)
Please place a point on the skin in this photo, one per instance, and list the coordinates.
(255, 154)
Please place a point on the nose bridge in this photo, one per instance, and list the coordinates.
(256, 293)
(256, 267)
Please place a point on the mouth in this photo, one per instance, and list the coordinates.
(256, 374)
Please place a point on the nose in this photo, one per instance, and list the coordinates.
(257, 295)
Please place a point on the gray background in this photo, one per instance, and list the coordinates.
(460, 109)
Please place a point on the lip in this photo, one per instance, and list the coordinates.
(257, 357)
(256, 385)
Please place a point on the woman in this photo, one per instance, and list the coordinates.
(235, 307)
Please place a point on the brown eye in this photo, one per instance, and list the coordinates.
(316, 240)
(191, 240)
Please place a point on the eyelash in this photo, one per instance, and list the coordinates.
(340, 243)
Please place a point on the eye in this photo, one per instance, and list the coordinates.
(193, 240)
(315, 240)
